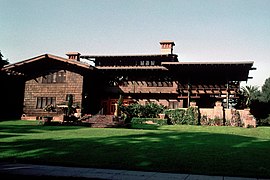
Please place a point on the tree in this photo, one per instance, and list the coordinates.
(260, 107)
(2, 61)
(249, 93)
(265, 95)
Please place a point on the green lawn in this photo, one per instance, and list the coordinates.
(230, 151)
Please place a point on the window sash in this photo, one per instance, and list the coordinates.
(42, 102)
(56, 77)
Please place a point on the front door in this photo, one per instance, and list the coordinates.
(108, 106)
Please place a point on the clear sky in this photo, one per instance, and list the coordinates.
(203, 30)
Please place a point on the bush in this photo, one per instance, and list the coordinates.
(156, 121)
(215, 122)
(132, 110)
(192, 116)
(265, 121)
(189, 116)
(176, 116)
(235, 120)
(147, 123)
(150, 110)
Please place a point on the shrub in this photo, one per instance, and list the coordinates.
(189, 116)
(265, 121)
(235, 120)
(204, 120)
(215, 122)
(156, 121)
(150, 110)
(176, 116)
(192, 116)
(132, 110)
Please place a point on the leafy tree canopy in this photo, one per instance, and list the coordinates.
(265, 94)
(3, 62)
(247, 95)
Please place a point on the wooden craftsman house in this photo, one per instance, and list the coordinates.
(160, 78)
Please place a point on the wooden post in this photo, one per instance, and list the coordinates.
(188, 95)
(227, 94)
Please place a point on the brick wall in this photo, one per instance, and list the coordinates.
(246, 119)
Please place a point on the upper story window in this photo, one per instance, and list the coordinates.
(147, 63)
(56, 77)
(159, 84)
(173, 104)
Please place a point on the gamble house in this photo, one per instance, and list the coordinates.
(158, 78)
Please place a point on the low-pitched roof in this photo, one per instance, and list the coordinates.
(40, 62)
(131, 68)
(131, 58)
(234, 70)
(128, 56)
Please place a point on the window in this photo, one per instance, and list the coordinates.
(71, 95)
(42, 102)
(173, 104)
(159, 84)
(56, 77)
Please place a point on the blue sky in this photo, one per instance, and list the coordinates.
(203, 30)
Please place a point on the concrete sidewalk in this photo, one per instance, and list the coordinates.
(38, 171)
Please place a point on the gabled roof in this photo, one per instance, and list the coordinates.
(41, 62)
(77, 63)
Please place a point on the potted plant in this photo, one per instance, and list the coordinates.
(192, 103)
(48, 118)
(218, 103)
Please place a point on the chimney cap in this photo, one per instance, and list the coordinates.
(73, 53)
(167, 42)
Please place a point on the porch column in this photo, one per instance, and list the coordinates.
(227, 94)
(188, 98)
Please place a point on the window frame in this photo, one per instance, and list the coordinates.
(54, 77)
(42, 102)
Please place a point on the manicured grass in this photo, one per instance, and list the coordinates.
(230, 151)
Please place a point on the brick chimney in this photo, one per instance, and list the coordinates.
(166, 47)
(73, 56)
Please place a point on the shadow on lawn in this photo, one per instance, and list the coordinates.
(163, 151)
(33, 127)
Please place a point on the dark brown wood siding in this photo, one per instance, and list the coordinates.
(34, 88)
